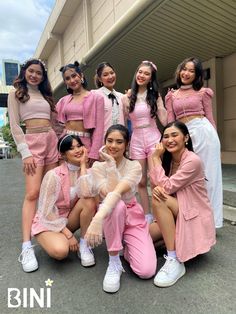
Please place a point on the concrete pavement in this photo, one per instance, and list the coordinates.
(207, 287)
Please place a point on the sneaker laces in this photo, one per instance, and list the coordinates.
(114, 268)
(166, 267)
(26, 254)
(84, 249)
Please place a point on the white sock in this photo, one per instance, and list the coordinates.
(26, 245)
(83, 242)
(172, 254)
(115, 259)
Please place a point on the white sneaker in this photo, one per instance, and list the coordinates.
(86, 255)
(169, 273)
(149, 218)
(111, 282)
(28, 260)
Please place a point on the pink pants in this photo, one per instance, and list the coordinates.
(143, 142)
(126, 224)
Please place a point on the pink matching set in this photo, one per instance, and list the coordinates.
(125, 226)
(91, 111)
(35, 141)
(55, 202)
(145, 133)
(195, 230)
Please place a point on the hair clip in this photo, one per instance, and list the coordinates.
(152, 64)
(31, 59)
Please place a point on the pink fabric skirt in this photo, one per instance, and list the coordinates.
(37, 227)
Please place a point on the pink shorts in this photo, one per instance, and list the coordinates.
(37, 227)
(143, 141)
(43, 147)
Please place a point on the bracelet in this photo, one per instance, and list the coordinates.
(71, 236)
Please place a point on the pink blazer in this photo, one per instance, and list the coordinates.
(63, 201)
(195, 231)
(108, 108)
(93, 118)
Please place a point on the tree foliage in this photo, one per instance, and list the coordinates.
(6, 132)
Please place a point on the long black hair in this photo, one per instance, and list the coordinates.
(198, 81)
(99, 71)
(167, 156)
(78, 70)
(44, 87)
(152, 90)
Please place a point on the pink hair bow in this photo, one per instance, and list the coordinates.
(152, 64)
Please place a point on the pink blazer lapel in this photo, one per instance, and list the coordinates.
(65, 183)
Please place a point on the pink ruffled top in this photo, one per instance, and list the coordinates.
(187, 102)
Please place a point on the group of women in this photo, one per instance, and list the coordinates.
(82, 171)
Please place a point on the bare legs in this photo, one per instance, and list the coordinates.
(32, 187)
(55, 243)
(165, 212)
(142, 187)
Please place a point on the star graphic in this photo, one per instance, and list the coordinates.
(49, 282)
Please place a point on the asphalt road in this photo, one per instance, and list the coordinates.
(209, 285)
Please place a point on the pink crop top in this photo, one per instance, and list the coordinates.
(186, 102)
(141, 116)
(35, 108)
(73, 111)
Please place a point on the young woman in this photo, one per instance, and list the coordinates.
(31, 102)
(105, 80)
(191, 103)
(60, 211)
(82, 111)
(180, 204)
(145, 105)
(120, 215)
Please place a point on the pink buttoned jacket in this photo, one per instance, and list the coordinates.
(195, 231)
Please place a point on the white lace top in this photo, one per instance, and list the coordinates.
(102, 179)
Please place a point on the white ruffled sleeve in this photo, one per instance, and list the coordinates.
(47, 209)
(132, 175)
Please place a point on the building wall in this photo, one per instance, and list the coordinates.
(92, 19)
(229, 92)
(80, 36)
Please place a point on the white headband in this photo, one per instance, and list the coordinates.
(59, 148)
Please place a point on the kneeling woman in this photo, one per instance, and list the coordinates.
(119, 215)
(180, 203)
(60, 211)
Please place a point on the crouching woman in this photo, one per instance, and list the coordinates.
(180, 204)
(120, 216)
(61, 211)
